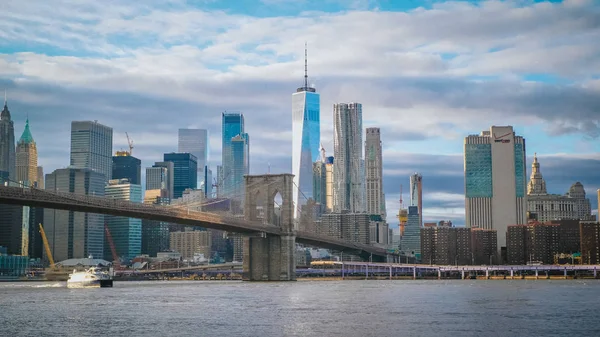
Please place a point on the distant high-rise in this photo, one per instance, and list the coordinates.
(125, 166)
(40, 177)
(239, 167)
(7, 142)
(126, 232)
(195, 141)
(416, 194)
(537, 184)
(75, 234)
(411, 240)
(347, 149)
(495, 181)
(329, 183)
(91, 147)
(27, 158)
(306, 137)
(374, 172)
(320, 180)
(233, 126)
(161, 177)
(185, 172)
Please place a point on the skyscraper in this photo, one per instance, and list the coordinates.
(374, 172)
(416, 194)
(91, 147)
(233, 126)
(347, 150)
(125, 232)
(320, 180)
(27, 158)
(239, 167)
(306, 137)
(195, 141)
(126, 166)
(75, 234)
(185, 172)
(7, 142)
(495, 181)
(161, 177)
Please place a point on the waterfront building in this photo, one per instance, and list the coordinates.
(91, 147)
(161, 177)
(14, 228)
(543, 207)
(347, 142)
(126, 232)
(75, 234)
(196, 142)
(191, 242)
(533, 243)
(378, 230)
(126, 166)
(7, 142)
(495, 181)
(306, 137)
(233, 126)
(484, 246)
(445, 245)
(374, 173)
(590, 242)
(185, 172)
(416, 194)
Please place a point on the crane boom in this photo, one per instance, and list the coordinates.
(130, 144)
(47, 246)
(113, 249)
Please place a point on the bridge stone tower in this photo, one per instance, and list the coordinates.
(269, 257)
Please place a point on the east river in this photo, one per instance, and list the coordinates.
(304, 308)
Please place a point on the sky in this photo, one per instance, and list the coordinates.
(428, 73)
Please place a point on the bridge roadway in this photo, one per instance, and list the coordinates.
(93, 204)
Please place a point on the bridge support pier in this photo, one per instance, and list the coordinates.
(270, 257)
(595, 274)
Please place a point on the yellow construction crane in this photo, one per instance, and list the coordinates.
(130, 143)
(47, 246)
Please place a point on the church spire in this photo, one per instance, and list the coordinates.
(537, 184)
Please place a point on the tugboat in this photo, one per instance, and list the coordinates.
(91, 278)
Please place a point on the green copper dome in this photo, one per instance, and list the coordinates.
(26, 137)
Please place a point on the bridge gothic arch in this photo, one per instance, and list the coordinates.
(270, 257)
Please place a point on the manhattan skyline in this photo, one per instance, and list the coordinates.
(426, 93)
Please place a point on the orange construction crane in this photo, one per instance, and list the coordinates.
(113, 250)
(47, 246)
(402, 214)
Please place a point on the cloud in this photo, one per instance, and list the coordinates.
(430, 74)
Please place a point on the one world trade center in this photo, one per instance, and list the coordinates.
(306, 125)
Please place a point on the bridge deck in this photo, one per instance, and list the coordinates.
(94, 204)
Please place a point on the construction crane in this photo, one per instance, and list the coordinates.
(130, 143)
(113, 249)
(402, 214)
(47, 246)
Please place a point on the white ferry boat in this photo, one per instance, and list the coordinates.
(93, 277)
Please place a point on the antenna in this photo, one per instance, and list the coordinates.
(269, 168)
(305, 67)
(4, 96)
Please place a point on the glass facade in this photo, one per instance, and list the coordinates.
(91, 147)
(306, 138)
(520, 177)
(127, 167)
(478, 170)
(75, 234)
(232, 161)
(13, 266)
(126, 233)
(185, 172)
(411, 240)
(195, 141)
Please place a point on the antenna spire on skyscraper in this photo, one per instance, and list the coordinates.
(305, 66)
(4, 96)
